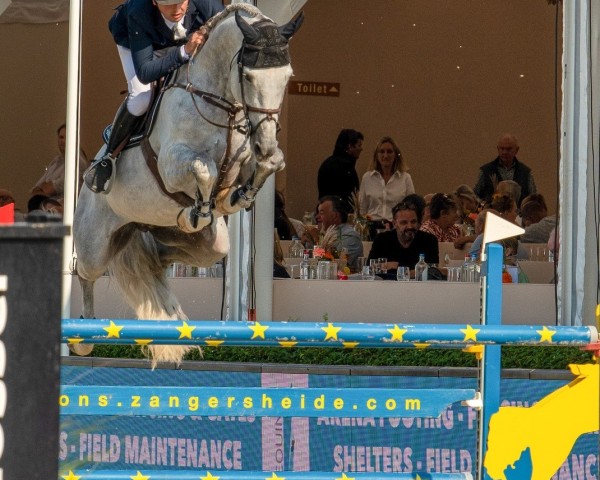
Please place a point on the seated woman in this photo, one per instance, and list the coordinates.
(506, 207)
(384, 185)
(469, 205)
(442, 218)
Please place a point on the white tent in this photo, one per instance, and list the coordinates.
(579, 270)
(34, 11)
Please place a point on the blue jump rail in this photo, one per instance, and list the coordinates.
(252, 475)
(309, 334)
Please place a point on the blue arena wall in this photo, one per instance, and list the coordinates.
(367, 444)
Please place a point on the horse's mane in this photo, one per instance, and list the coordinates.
(214, 20)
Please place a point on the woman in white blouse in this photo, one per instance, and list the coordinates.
(385, 184)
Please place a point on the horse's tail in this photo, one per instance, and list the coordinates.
(141, 277)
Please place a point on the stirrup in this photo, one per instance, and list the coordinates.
(98, 177)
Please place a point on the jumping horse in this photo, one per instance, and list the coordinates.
(211, 148)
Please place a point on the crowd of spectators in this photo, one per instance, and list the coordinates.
(404, 224)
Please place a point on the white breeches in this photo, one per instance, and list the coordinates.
(140, 94)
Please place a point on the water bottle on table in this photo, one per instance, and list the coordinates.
(421, 269)
(295, 250)
(305, 266)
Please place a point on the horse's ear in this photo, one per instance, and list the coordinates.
(292, 26)
(251, 35)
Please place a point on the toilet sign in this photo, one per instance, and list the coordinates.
(320, 89)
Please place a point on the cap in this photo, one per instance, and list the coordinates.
(169, 2)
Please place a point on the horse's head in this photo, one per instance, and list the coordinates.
(263, 73)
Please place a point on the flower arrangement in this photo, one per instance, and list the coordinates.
(361, 222)
(327, 249)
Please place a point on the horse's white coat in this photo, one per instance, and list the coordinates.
(190, 152)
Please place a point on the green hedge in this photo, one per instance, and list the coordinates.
(512, 357)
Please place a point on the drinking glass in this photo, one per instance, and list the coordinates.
(374, 264)
(403, 274)
(453, 274)
(294, 271)
(382, 264)
(367, 273)
(360, 263)
(323, 268)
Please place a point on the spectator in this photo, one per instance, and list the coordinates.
(6, 197)
(403, 245)
(279, 270)
(332, 211)
(337, 174)
(384, 185)
(417, 203)
(506, 208)
(509, 187)
(468, 204)
(442, 218)
(283, 225)
(51, 185)
(537, 223)
(506, 166)
(426, 214)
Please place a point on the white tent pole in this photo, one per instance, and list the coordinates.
(71, 149)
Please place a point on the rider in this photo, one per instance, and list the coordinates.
(153, 37)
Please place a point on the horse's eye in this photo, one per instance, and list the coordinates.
(248, 77)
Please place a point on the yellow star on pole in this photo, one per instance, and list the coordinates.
(344, 477)
(139, 476)
(258, 329)
(418, 477)
(113, 330)
(215, 343)
(71, 476)
(185, 330)
(546, 334)
(288, 344)
(331, 331)
(143, 341)
(350, 344)
(397, 333)
(209, 476)
(274, 477)
(470, 333)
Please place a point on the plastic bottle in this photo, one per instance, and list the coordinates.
(305, 266)
(474, 269)
(466, 270)
(295, 250)
(421, 269)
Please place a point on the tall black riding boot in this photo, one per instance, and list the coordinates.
(98, 176)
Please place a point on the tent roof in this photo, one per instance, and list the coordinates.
(34, 11)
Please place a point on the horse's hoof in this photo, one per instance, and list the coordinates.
(81, 349)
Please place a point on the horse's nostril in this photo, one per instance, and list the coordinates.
(257, 150)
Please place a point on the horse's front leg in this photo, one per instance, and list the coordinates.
(244, 196)
(182, 169)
